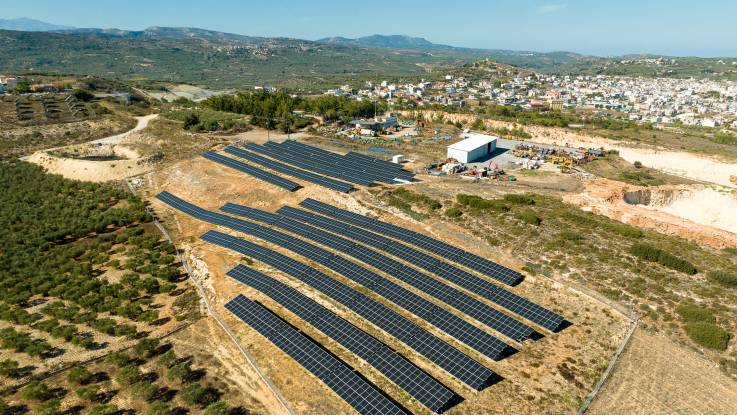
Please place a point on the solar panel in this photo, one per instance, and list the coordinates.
(418, 384)
(431, 347)
(292, 171)
(307, 164)
(452, 324)
(355, 390)
(253, 171)
(355, 166)
(427, 243)
(501, 296)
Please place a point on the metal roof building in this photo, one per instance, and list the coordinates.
(474, 147)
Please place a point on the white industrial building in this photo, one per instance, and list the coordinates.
(473, 147)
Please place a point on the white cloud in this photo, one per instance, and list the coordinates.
(551, 8)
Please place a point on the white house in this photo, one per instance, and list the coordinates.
(474, 147)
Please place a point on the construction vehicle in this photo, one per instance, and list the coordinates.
(566, 166)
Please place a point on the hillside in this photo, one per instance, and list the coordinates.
(211, 59)
(225, 60)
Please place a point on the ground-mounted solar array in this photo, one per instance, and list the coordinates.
(501, 296)
(253, 171)
(349, 168)
(333, 238)
(437, 351)
(418, 384)
(338, 376)
(289, 170)
(440, 248)
(453, 325)
(493, 318)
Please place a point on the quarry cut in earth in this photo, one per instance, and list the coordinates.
(700, 213)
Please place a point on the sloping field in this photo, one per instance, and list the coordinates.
(656, 376)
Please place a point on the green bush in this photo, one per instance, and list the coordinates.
(128, 375)
(36, 391)
(79, 375)
(691, 313)
(477, 202)
(519, 199)
(88, 393)
(105, 409)
(217, 408)
(722, 277)
(708, 335)
(571, 236)
(453, 212)
(653, 254)
(528, 216)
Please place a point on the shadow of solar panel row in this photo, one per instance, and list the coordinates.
(289, 170)
(358, 166)
(501, 296)
(445, 356)
(418, 384)
(253, 171)
(455, 326)
(288, 157)
(435, 246)
(356, 391)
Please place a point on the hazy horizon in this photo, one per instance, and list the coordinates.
(671, 28)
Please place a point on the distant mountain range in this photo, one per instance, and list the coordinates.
(218, 59)
(30, 25)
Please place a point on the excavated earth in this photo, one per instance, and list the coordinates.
(695, 212)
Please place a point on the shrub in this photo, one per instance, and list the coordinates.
(453, 212)
(9, 368)
(724, 278)
(725, 138)
(520, 199)
(637, 164)
(192, 394)
(217, 408)
(180, 371)
(36, 391)
(653, 254)
(146, 347)
(106, 409)
(144, 389)
(528, 216)
(158, 408)
(128, 375)
(50, 407)
(88, 393)
(571, 236)
(708, 335)
(691, 313)
(79, 375)
(477, 202)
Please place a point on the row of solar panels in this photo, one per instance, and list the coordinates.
(501, 296)
(348, 167)
(427, 243)
(423, 282)
(253, 171)
(355, 390)
(437, 351)
(289, 170)
(424, 343)
(396, 368)
(378, 172)
(441, 318)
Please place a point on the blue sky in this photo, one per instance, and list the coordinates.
(672, 27)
